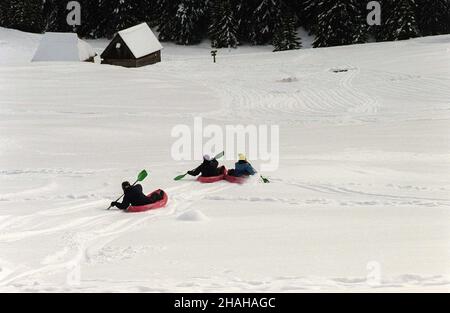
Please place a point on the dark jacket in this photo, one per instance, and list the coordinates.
(207, 169)
(134, 197)
(244, 168)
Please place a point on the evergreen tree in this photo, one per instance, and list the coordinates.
(227, 22)
(399, 21)
(292, 8)
(149, 12)
(189, 22)
(340, 22)
(308, 14)
(119, 15)
(56, 16)
(244, 12)
(25, 15)
(386, 11)
(92, 18)
(223, 28)
(433, 17)
(285, 37)
(5, 6)
(265, 17)
(167, 10)
(107, 17)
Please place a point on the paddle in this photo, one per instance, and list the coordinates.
(142, 175)
(180, 177)
(265, 180)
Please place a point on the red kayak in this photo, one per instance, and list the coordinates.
(213, 179)
(157, 205)
(235, 179)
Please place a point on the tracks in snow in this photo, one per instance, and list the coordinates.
(84, 236)
(266, 98)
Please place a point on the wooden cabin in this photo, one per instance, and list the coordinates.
(133, 47)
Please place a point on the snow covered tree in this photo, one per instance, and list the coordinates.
(5, 6)
(386, 9)
(308, 14)
(244, 12)
(399, 20)
(189, 22)
(340, 22)
(100, 18)
(265, 17)
(223, 28)
(56, 16)
(149, 13)
(433, 17)
(118, 15)
(92, 18)
(286, 37)
(293, 7)
(24, 15)
(167, 10)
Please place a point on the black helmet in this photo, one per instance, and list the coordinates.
(125, 185)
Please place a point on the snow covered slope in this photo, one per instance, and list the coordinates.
(16, 46)
(361, 201)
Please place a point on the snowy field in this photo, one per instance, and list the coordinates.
(360, 202)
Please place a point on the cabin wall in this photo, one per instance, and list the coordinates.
(111, 52)
(147, 60)
(120, 62)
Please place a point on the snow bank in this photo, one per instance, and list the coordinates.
(17, 47)
(65, 47)
(192, 216)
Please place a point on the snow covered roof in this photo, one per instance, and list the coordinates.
(140, 40)
(63, 47)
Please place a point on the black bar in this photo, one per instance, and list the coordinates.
(228, 302)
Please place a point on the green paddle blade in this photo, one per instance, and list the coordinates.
(180, 177)
(265, 180)
(220, 155)
(142, 175)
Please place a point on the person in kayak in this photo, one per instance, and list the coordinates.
(209, 168)
(242, 167)
(135, 197)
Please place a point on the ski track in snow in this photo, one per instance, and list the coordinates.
(88, 235)
(86, 241)
(329, 195)
(260, 101)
